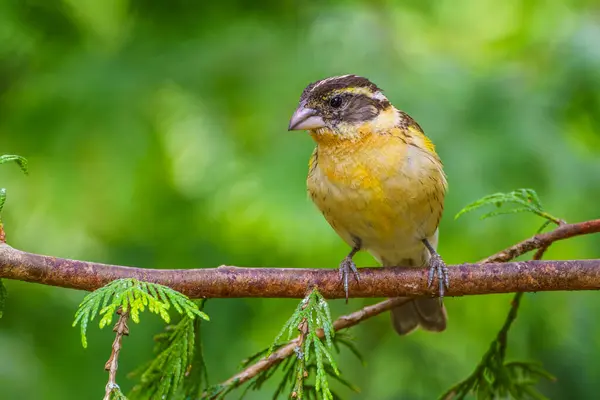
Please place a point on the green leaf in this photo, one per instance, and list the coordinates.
(163, 377)
(531, 368)
(197, 380)
(21, 161)
(288, 326)
(315, 355)
(494, 378)
(503, 212)
(341, 380)
(2, 199)
(528, 199)
(345, 340)
(314, 360)
(135, 297)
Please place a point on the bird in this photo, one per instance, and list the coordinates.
(379, 183)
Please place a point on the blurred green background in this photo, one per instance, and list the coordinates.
(157, 137)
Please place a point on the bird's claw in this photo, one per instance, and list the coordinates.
(346, 267)
(438, 267)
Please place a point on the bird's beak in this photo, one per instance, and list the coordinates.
(305, 118)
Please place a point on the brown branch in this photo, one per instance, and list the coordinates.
(112, 364)
(541, 240)
(226, 281)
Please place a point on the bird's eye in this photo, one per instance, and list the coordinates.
(335, 102)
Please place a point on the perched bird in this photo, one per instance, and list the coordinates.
(379, 183)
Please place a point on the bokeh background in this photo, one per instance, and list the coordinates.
(157, 137)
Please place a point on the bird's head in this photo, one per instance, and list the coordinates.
(340, 106)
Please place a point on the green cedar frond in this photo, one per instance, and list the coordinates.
(314, 359)
(344, 339)
(527, 200)
(314, 311)
(134, 297)
(2, 199)
(178, 370)
(196, 382)
(254, 357)
(162, 378)
(21, 161)
(495, 378)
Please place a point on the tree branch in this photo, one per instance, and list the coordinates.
(486, 277)
(543, 240)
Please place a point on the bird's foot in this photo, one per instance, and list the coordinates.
(348, 266)
(437, 267)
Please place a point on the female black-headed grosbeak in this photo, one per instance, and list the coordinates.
(379, 183)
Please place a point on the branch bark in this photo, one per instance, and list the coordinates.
(485, 277)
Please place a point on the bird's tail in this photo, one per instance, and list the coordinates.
(429, 313)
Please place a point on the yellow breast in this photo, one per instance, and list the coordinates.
(382, 188)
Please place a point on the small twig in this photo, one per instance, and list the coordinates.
(540, 252)
(112, 364)
(502, 336)
(563, 231)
